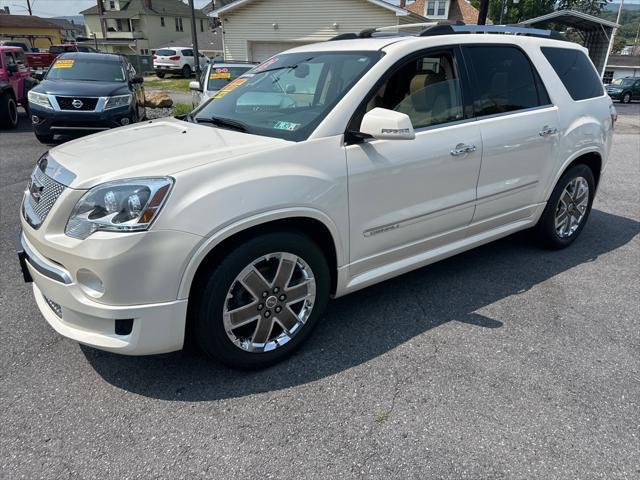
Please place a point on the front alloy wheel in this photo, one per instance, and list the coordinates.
(257, 303)
(269, 302)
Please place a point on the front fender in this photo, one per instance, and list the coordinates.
(211, 242)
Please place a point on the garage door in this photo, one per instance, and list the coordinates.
(261, 51)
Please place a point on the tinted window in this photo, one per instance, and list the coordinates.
(164, 52)
(576, 72)
(504, 80)
(187, 53)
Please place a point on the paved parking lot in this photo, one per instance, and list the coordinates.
(504, 362)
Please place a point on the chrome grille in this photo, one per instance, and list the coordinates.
(41, 194)
(57, 309)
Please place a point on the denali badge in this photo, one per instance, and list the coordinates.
(77, 103)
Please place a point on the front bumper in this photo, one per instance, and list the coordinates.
(615, 95)
(50, 122)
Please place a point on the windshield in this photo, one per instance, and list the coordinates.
(85, 69)
(288, 95)
(623, 81)
(221, 76)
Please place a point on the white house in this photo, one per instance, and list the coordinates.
(621, 66)
(139, 26)
(258, 29)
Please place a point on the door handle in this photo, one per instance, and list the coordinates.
(546, 131)
(462, 149)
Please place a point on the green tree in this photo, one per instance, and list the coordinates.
(592, 7)
(517, 12)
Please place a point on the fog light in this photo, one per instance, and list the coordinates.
(90, 283)
(35, 119)
(125, 121)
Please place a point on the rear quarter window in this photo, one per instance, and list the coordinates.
(576, 72)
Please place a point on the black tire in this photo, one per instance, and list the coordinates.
(186, 71)
(8, 111)
(545, 229)
(160, 74)
(44, 137)
(626, 97)
(211, 295)
(27, 110)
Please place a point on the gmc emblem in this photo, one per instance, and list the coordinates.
(35, 189)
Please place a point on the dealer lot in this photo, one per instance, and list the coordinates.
(504, 362)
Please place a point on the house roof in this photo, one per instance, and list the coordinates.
(66, 24)
(625, 61)
(459, 10)
(401, 12)
(132, 8)
(26, 21)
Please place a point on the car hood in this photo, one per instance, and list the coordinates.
(154, 148)
(76, 88)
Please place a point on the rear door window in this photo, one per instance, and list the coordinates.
(504, 80)
(576, 71)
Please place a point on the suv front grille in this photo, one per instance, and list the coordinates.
(87, 104)
(41, 194)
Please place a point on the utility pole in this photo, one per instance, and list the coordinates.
(194, 36)
(29, 7)
(615, 30)
(483, 11)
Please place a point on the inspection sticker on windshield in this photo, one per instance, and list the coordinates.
(230, 87)
(288, 126)
(65, 63)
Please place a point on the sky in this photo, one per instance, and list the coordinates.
(55, 8)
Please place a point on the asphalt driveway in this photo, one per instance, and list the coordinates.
(504, 362)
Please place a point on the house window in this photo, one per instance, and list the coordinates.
(179, 27)
(436, 8)
(112, 5)
(201, 25)
(162, 21)
(608, 77)
(118, 25)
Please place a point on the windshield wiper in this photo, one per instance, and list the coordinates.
(223, 122)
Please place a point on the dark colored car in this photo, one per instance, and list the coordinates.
(625, 89)
(86, 92)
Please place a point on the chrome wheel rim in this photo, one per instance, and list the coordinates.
(269, 302)
(572, 207)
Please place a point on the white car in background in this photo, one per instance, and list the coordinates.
(214, 78)
(326, 169)
(178, 60)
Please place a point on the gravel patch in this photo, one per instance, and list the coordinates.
(153, 113)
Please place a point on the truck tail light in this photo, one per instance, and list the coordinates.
(175, 57)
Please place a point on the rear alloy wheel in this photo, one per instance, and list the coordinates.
(186, 71)
(8, 111)
(263, 300)
(626, 98)
(568, 208)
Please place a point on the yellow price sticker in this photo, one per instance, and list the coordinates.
(215, 76)
(231, 87)
(65, 63)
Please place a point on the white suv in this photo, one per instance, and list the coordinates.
(177, 60)
(326, 169)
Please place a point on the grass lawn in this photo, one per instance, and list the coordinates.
(168, 83)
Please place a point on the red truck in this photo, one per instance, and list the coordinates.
(39, 62)
(15, 83)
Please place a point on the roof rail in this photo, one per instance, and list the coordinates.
(504, 29)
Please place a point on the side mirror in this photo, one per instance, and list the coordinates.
(383, 124)
(13, 68)
(195, 86)
(137, 80)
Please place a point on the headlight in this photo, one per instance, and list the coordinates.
(121, 206)
(39, 99)
(118, 101)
